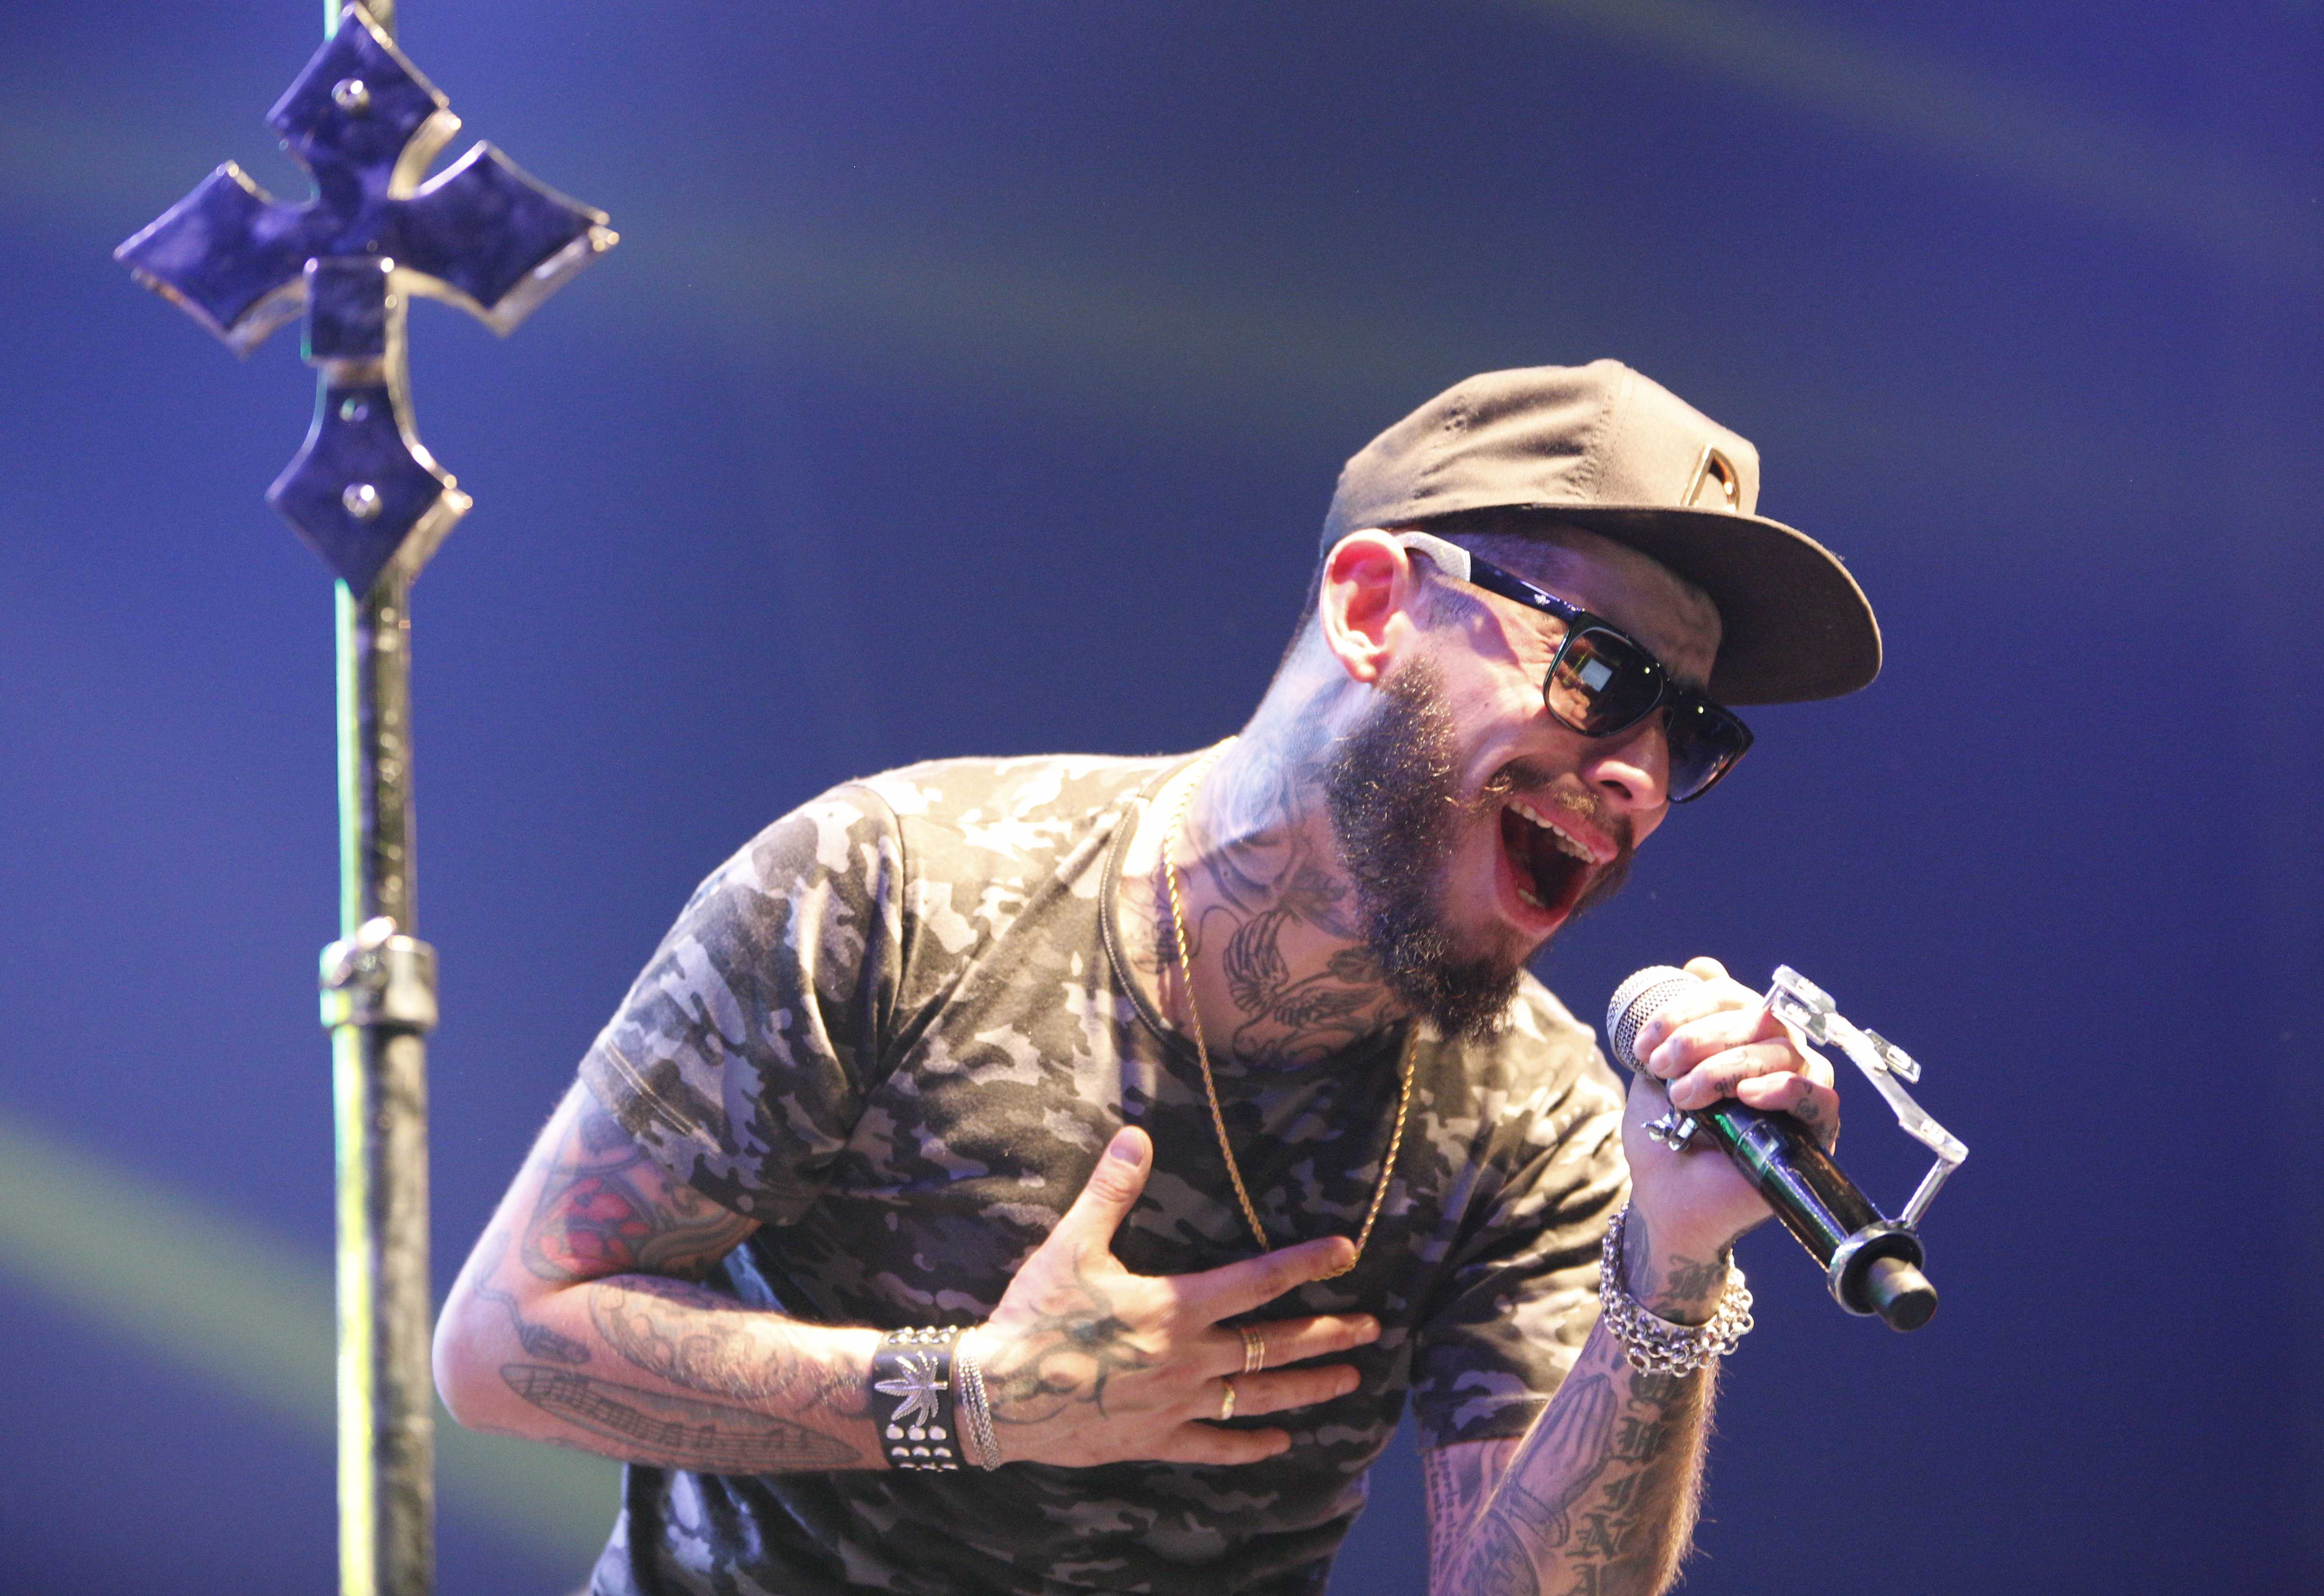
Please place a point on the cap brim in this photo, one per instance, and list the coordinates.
(1795, 624)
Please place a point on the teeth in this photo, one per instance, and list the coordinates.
(1529, 897)
(1565, 844)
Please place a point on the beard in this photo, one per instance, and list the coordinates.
(1392, 793)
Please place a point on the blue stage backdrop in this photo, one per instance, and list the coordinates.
(972, 378)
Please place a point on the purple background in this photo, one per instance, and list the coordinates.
(972, 378)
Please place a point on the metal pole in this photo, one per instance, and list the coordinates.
(379, 1000)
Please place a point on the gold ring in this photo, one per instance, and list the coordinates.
(1254, 1351)
(1226, 1401)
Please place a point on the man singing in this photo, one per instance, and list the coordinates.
(1057, 1174)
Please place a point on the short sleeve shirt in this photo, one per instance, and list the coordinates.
(893, 1029)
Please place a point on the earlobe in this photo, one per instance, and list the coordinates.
(1368, 586)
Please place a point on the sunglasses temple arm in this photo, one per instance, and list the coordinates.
(1448, 558)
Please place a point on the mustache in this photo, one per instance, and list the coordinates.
(1538, 784)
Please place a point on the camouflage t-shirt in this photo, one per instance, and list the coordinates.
(892, 1028)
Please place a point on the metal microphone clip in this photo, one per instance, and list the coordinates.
(1808, 1008)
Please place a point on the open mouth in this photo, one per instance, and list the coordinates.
(1551, 868)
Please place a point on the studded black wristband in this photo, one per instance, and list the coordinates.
(913, 1369)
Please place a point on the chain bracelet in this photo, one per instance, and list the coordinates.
(1653, 1345)
(979, 1445)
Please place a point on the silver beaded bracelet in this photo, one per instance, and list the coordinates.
(1653, 1345)
(981, 1446)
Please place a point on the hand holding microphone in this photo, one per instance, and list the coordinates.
(1738, 1075)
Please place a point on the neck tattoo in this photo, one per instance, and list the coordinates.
(1175, 834)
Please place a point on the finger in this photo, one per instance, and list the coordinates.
(1236, 1289)
(1716, 981)
(1718, 1076)
(1280, 1391)
(1110, 1191)
(1295, 1341)
(1695, 1004)
(1215, 1443)
(1682, 1047)
(1813, 1103)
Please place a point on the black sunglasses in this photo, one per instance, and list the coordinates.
(1603, 681)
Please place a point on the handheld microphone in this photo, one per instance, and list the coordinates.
(1873, 1265)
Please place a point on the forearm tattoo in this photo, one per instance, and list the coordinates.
(1602, 1489)
(1075, 1345)
(604, 1208)
(693, 1337)
(1690, 1288)
(676, 1432)
(1458, 1479)
(1695, 1282)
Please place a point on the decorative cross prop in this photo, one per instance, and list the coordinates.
(366, 495)
(483, 235)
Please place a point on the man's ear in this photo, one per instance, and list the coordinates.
(1365, 607)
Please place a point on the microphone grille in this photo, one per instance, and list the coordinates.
(1637, 1000)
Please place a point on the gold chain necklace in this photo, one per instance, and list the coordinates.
(1203, 1052)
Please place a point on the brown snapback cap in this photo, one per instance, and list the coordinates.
(1601, 448)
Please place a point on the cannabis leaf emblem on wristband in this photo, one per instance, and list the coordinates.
(917, 1381)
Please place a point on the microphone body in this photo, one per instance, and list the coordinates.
(1872, 1264)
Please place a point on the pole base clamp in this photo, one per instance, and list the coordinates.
(378, 977)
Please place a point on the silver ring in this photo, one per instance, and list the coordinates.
(1227, 1400)
(1254, 1350)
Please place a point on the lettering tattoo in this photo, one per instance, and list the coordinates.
(1603, 1488)
(606, 1209)
(676, 1432)
(539, 1340)
(693, 1337)
(1074, 1346)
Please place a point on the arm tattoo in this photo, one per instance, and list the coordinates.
(1692, 1285)
(1578, 1427)
(1459, 1479)
(1073, 1349)
(539, 1340)
(1453, 1481)
(606, 1209)
(693, 1337)
(1695, 1281)
(1496, 1562)
(1604, 1486)
(676, 1432)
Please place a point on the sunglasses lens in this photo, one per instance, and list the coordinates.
(1602, 683)
(1705, 741)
